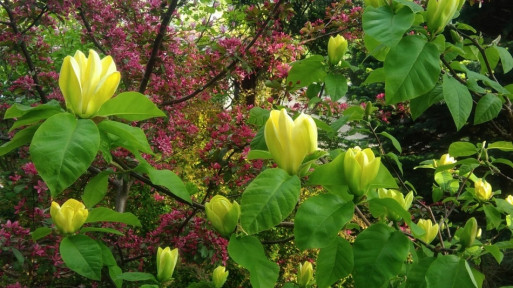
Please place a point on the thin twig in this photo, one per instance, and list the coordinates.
(90, 31)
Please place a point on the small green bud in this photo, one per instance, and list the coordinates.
(166, 262)
(360, 169)
(305, 275)
(337, 47)
(468, 233)
(223, 215)
(219, 276)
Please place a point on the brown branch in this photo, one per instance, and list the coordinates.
(90, 31)
(278, 241)
(156, 45)
(43, 11)
(25, 52)
(228, 68)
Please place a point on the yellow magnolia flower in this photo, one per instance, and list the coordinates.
(166, 262)
(219, 276)
(446, 159)
(483, 190)
(305, 274)
(87, 82)
(337, 47)
(360, 168)
(405, 202)
(440, 12)
(223, 215)
(509, 199)
(430, 229)
(289, 141)
(69, 217)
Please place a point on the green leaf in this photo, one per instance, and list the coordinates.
(108, 258)
(493, 59)
(385, 26)
(384, 179)
(336, 86)
(131, 138)
(102, 230)
(63, 148)
(412, 5)
(114, 272)
(377, 49)
(396, 160)
(82, 255)
(449, 271)
(334, 262)
(131, 106)
(380, 207)
(487, 108)
(21, 138)
(258, 116)
(34, 116)
(18, 110)
(249, 253)
(416, 277)
(17, 254)
(137, 276)
(396, 143)
(259, 154)
(305, 72)
(506, 59)
(96, 189)
(269, 199)
(329, 174)
(40, 233)
(422, 103)
(379, 249)
(501, 145)
(412, 69)
(166, 178)
(103, 214)
(495, 251)
(319, 219)
(376, 76)
(458, 99)
(493, 217)
(258, 142)
(462, 149)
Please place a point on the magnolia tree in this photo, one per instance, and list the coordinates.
(349, 210)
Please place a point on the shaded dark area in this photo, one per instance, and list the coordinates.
(494, 18)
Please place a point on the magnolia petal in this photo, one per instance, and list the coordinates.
(69, 83)
(91, 78)
(108, 66)
(104, 91)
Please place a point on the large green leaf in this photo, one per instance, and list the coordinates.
(19, 110)
(416, 277)
(21, 138)
(336, 86)
(319, 219)
(34, 116)
(450, 271)
(269, 199)
(334, 262)
(385, 26)
(458, 99)
(131, 138)
(63, 148)
(487, 108)
(329, 174)
(305, 72)
(103, 214)
(462, 149)
(82, 255)
(249, 253)
(506, 59)
(258, 116)
(380, 207)
(412, 69)
(384, 179)
(131, 106)
(166, 178)
(379, 249)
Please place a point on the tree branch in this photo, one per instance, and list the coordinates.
(90, 31)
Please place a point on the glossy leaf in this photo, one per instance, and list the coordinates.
(137, 276)
(462, 149)
(258, 116)
(416, 277)
(269, 199)
(103, 214)
(19, 110)
(385, 26)
(506, 59)
(412, 69)
(336, 86)
(63, 148)
(319, 219)
(305, 72)
(96, 189)
(449, 271)
(40, 233)
(420, 104)
(82, 255)
(131, 106)
(394, 141)
(166, 178)
(487, 108)
(249, 253)
(458, 100)
(334, 262)
(34, 116)
(501, 145)
(19, 139)
(131, 138)
(379, 249)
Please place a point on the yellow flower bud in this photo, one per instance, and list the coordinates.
(305, 275)
(509, 199)
(87, 82)
(166, 263)
(223, 215)
(405, 202)
(430, 229)
(446, 159)
(69, 217)
(440, 12)
(290, 141)
(483, 190)
(219, 276)
(468, 233)
(360, 168)
(337, 47)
